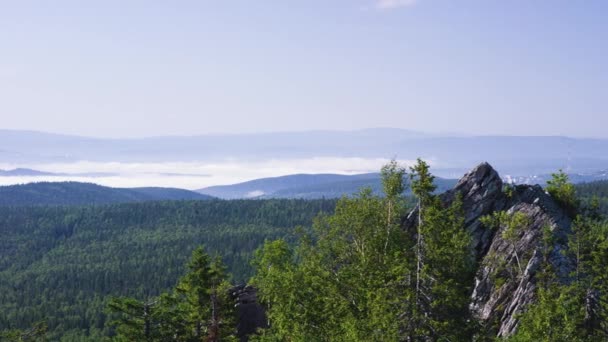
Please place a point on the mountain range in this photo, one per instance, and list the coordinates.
(25, 172)
(306, 186)
(303, 186)
(75, 193)
(451, 154)
(542, 179)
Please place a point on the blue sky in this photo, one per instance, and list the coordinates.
(140, 68)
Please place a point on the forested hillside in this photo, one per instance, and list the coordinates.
(61, 264)
(75, 193)
(484, 261)
(594, 193)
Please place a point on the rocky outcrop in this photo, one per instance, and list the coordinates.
(502, 286)
(250, 315)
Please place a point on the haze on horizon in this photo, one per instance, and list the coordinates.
(116, 69)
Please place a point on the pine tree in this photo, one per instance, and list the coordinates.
(447, 273)
(198, 309)
(563, 191)
(195, 287)
(218, 299)
(422, 187)
(134, 322)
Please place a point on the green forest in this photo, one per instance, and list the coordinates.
(76, 193)
(61, 264)
(594, 194)
(325, 270)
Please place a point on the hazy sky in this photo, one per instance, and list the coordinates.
(139, 68)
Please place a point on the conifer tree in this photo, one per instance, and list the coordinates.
(563, 191)
(447, 273)
(198, 309)
(422, 187)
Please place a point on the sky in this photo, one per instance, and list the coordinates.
(146, 68)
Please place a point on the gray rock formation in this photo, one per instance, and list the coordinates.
(501, 291)
(250, 314)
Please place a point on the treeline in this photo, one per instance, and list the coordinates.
(61, 264)
(594, 194)
(76, 193)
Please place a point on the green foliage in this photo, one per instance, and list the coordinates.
(554, 318)
(356, 276)
(345, 283)
(512, 224)
(392, 179)
(134, 318)
(36, 333)
(75, 193)
(574, 310)
(507, 189)
(593, 197)
(335, 288)
(62, 264)
(446, 273)
(563, 191)
(353, 278)
(422, 181)
(197, 309)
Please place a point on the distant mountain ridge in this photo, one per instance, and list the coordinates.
(25, 172)
(302, 186)
(542, 179)
(75, 193)
(516, 155)
(315, 186)
(306, 186)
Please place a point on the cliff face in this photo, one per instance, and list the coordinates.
(502, 286)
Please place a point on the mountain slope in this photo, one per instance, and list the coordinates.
(74, 193)
(268, 186)
(62, 264)
(307, 186)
